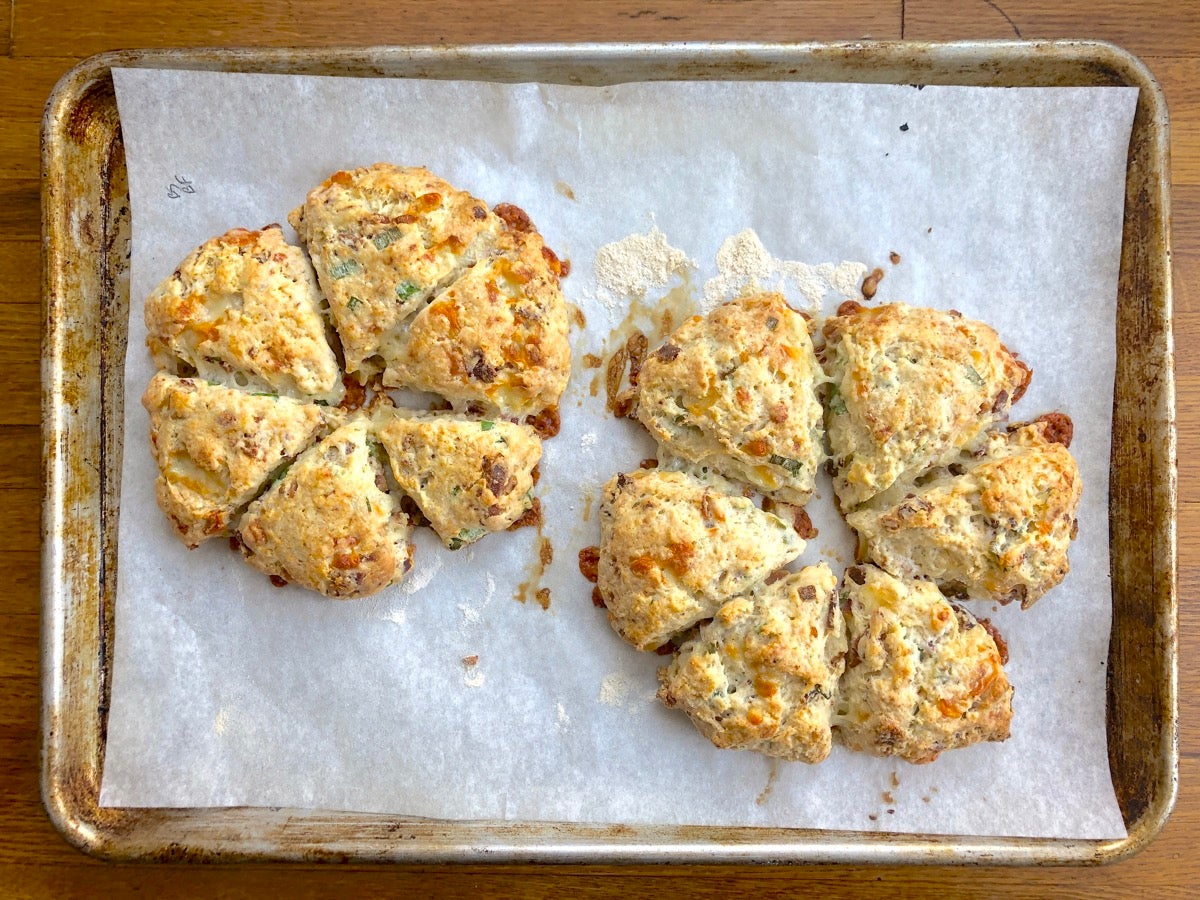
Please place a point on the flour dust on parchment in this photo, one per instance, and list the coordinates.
(629, 269)
(744, 265)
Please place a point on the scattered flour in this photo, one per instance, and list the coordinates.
(561, 718)
(620, 690)
(221, 721)
(631, 267)
(588, 440)
(743, 263)
(396, 616)
(420, 577)
(473, 678)
(470, 614)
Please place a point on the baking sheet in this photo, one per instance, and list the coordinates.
(227, 691)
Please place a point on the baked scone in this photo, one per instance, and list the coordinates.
(922, 675)
(383, 240)
(244, 309)
(329, 523)
(672, 550)
(467, 476)
(763, 673)
(216, 447)
(495, 339)
(736, 390)
(910, 387)
(996, 524)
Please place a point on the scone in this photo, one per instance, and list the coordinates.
(244, 310)
(673, 550)
(383, 240)
(762, 674)
(467, 476)
(329, 523)
(910, 387)
(496, 339)
(216, 447)
(996, 524)
(922, 675)
(736, 390)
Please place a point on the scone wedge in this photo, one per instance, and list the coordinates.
(244, 309)
(673, 550)
(909, 388)
(467, 476)
(922, 675)
(217, 447)
(496, 339)
(996, 524)
(763, 673)
(736, 390)
(384, 239)
(329, 524)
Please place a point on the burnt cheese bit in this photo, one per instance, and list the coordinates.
(589, 562)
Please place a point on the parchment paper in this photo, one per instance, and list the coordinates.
(1003, 203)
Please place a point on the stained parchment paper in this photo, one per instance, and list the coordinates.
(1003, 203)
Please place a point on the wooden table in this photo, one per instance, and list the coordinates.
(38, 42)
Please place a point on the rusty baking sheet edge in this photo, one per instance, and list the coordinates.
(84, 314)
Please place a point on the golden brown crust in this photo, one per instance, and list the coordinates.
(736, 390)
(922, 675)
(328, 524)
(216, 448)
(497, 338)
(762, 675)
(673, 549)
(244, 309)
(468, 476)
(384, 239)
(910, 387)
(996, 525)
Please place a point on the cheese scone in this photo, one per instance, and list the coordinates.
(216, 447)
(383, 240)
(672, 550)
(922, 675)
(495, 339)
(996, 524)
(244, 309)
(329, 523)
(467, 476)
(736, 390)
(763, 673)
(910, 387)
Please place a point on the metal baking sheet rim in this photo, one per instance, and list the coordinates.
(84, 310)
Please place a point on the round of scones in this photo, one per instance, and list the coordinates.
(257, 417)
(947, 500)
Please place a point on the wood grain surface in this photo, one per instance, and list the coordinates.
(40, 41)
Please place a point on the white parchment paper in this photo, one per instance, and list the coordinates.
(1003, 203)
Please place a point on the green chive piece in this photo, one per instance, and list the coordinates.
(833, 397)
(385, 238)
(974, 377)
(466, 536)
(354, 304)
(485, 425)
(794, 466)
(406, 289)
(344, 268)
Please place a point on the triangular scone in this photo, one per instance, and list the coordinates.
(217, 447)
(244, 309)
(467, 476)
(672, 550)
(383, 240)
(996, 524)
(922, 675)
(910, 388)
(329, 524)
(496, 339)
(762, 675)
(736, 390)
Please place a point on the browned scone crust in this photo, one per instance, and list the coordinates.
(467, 476)
(244, 309)
(329, 524)
(996, 525)
(736, 390)
(496, 339)
(216, 448)
(910, 387)
(673, 549)
(762, 674)
(384, 239)
(922, 675)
